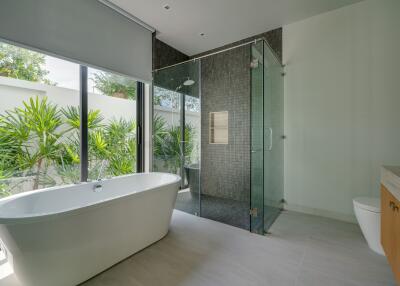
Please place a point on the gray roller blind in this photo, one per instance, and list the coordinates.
(82, 30)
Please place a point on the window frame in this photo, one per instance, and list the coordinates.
(84, 137)
(140, 130)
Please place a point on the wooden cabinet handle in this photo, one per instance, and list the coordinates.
(393, 206)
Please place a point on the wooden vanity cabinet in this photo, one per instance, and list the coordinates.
(390, 230)
(396, 246)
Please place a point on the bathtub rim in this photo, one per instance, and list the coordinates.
(77, 210)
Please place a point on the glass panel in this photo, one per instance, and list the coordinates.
(273, 132)
(39, 121)
(175, 87)
(111, 124)
(166, 130)
(257, 139)
(192, 151)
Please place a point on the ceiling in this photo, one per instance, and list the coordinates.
(221, 21)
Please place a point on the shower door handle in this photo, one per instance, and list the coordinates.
(270, 139)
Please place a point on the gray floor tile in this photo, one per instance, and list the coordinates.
(302, 250)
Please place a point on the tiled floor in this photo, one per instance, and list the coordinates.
(232, 212)
(302, 250)
(228, 211)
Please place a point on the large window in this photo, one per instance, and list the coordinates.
(40, 122)
(112, 124)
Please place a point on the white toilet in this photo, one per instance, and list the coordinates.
(368, 214)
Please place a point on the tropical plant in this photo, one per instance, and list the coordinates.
(39, 142)
(34, 131)
(68, 163)
(7, 151)
(115, 85)
(160, 132)
(22, 64)
(121, 136)
(115, 144)
(112, 144)
(167, 144)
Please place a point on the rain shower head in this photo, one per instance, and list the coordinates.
(189, 82)
(254, 63)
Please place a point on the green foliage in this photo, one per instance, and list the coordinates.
(160, 132)
(73, 118)
(34, 131)
(8, 152)
(122, 146)
(115, 85)
(40, 143)
(22, 64)
(114, 144)
(167, 144)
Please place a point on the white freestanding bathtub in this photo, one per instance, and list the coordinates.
(63, 236)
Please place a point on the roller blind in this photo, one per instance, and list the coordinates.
(85, 31)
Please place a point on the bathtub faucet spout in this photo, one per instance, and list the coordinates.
(97, 188)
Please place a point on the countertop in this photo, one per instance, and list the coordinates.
(390, 178)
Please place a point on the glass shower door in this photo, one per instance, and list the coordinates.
(273, 137)
(257, 139)
(176, 130)
(266, 138)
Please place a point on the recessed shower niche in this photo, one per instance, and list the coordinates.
(219, 122)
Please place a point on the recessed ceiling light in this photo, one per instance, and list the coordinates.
(167, 7)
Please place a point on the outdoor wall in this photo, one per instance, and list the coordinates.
(172, 116)
(341, 106)
(14, 91)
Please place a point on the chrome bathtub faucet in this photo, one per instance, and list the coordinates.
(97, 188)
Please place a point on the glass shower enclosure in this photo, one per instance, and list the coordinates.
(176, 130)
(267, 135)
(218, 123)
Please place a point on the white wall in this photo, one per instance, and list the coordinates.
(172, 116)
(13, 92)
(342, 105)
